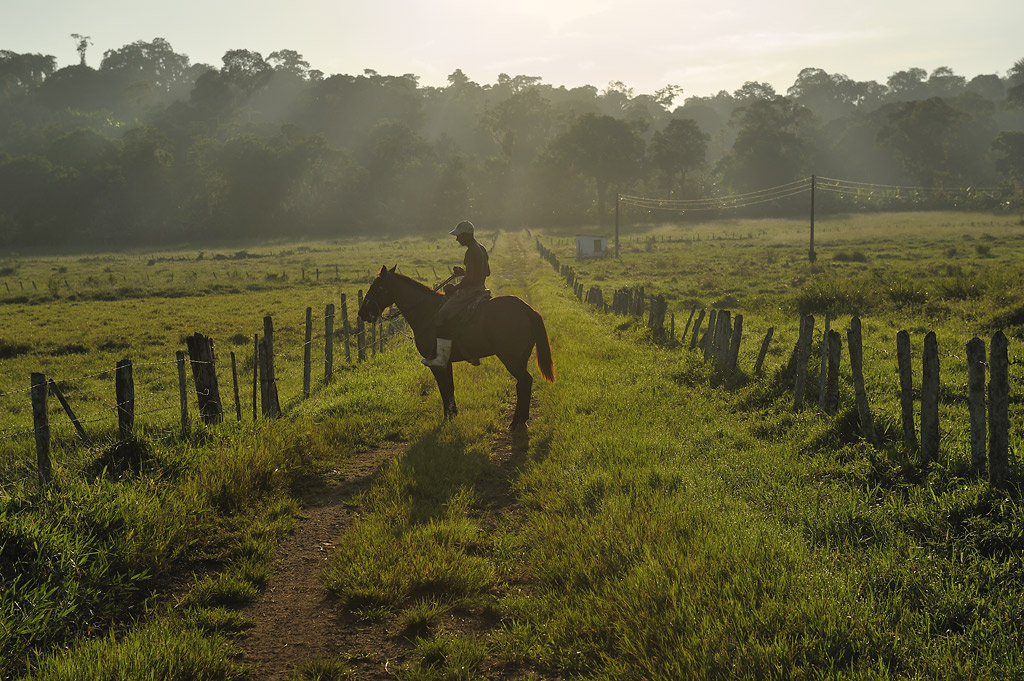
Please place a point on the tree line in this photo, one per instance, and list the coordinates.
(151, 148)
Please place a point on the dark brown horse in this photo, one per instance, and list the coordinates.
(504, 326)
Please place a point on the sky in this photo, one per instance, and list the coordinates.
(646, 44)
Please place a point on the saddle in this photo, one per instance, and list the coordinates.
(461, 315)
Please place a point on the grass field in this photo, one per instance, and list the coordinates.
(662, 523)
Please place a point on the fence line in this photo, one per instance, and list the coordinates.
(147, 401)
(720, 346)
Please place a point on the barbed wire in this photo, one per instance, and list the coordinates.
(725, 202)
(895, 187)
(801, 186)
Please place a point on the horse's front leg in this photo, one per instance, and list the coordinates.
(446, 386)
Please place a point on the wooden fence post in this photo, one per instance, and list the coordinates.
(234, 381)
(823, 373)
(55, 390)
(271, 405)
(261, 362)
(734, 346)
(686, 330)
(976, 401)
(656, 316)
(803, 352)
(373, 338)
(124, 390)
(360, 331)
(906, 391)
(998, 411)
(855, 343)
(722, 338)
(179, 357)
(328, 343)
(255, 373)
(707, 342)
(346, 331)
(41, 423)
(204, 374)
(696, 330)
(764, 350)
(307, 355)
(835, 353)
(930, 400)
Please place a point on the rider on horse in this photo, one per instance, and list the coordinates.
(459, 296)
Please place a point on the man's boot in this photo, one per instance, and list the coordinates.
(444, 351)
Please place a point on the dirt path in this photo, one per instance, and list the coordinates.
(298, 621)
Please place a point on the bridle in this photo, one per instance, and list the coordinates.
(389, 317)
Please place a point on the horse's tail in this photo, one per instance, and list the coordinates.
(540, 337)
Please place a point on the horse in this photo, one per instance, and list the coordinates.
(504, 326)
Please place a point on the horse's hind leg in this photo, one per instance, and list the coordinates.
(524, 388)
(446, 386)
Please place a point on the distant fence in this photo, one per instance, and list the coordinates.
(358, 343)
(20, 289)
(720, 344)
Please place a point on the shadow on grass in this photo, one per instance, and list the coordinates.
(444, 462)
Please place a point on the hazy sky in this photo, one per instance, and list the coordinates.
(647, 44)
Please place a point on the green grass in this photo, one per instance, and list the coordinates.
(666, 523)
(89, 556)
(672, 527)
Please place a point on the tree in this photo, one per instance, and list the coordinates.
(520, 124)
(828, 96)
(607, 150)
(289, 61)
(1010, 163)
(245, 69)
(400, 168)
(752, 90)
(155, 62)
(905, 85)
(944, 83)
(666, 95)
(770, 148)
(1015, 84)
(24, 72)
(675, 151)
(922, 135)
(82, 43)
(989, 86)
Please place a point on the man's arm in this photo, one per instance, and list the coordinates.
(473, 274)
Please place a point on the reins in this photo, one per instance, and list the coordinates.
(396, 313)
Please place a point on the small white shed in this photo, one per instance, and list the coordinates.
(591, 247)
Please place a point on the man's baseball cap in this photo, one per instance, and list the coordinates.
(464, 227)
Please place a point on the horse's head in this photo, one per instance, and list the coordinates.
(379, 297)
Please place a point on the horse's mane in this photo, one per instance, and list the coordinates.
(420, 287)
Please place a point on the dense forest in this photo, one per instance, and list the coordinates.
(150, 148)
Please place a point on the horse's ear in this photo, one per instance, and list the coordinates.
(383, 269)
(394, 268)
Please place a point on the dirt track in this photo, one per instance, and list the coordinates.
(298, 621)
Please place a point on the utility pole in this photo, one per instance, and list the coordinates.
(618, 197)
(812, 256)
